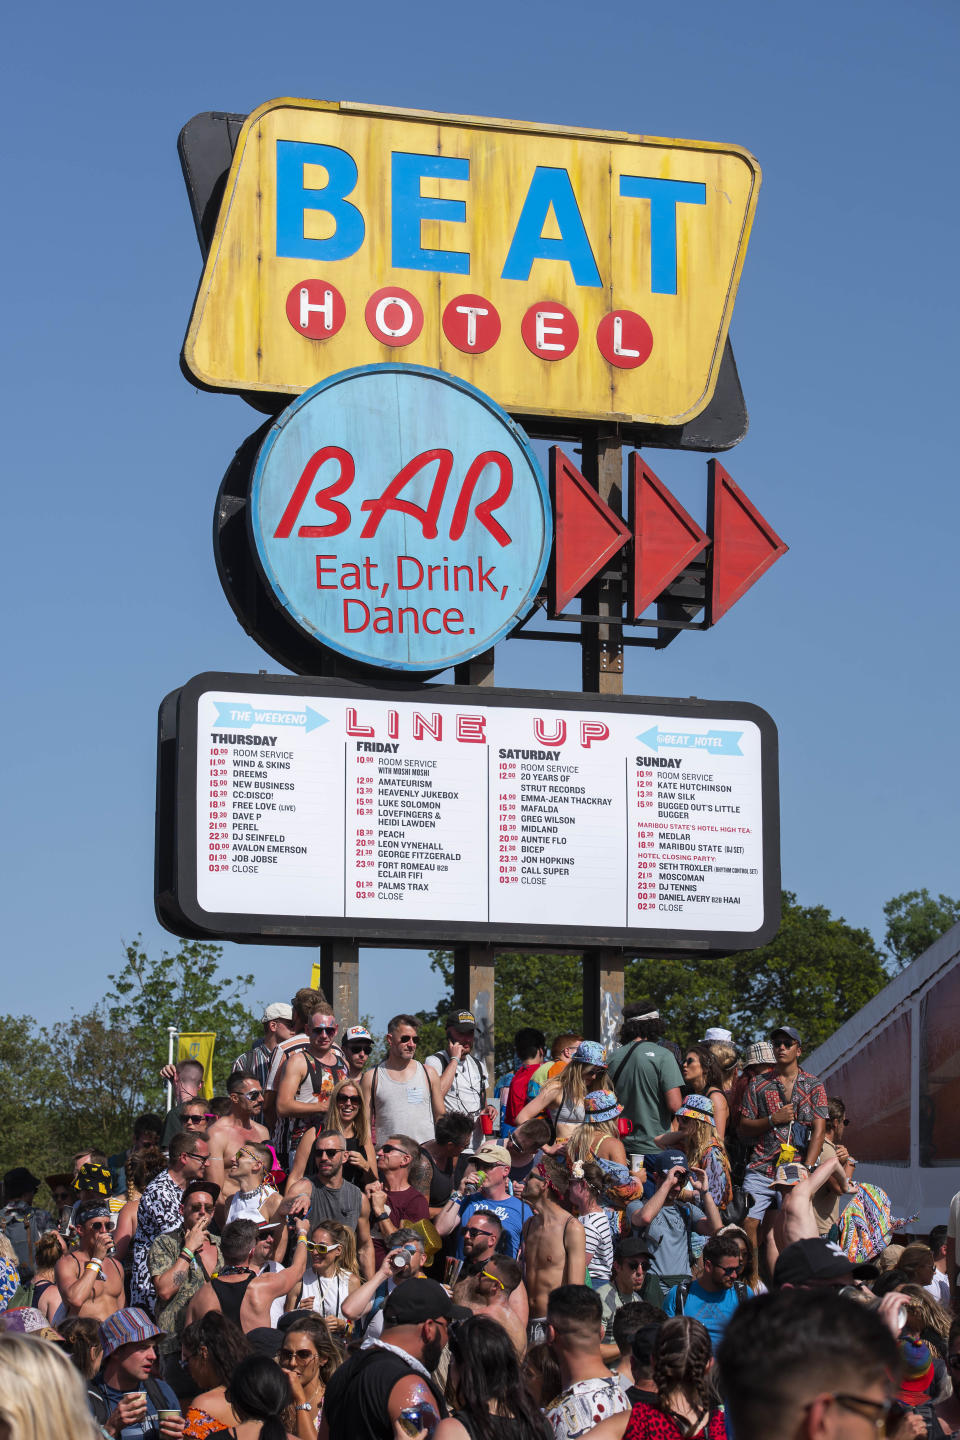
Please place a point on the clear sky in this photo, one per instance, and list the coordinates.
(844, 333)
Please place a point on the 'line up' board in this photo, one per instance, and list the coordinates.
(305, 810)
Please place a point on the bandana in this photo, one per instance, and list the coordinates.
(94, 1211)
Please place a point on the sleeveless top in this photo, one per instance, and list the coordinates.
(355, 1401)
(569, 1114)
(647, 1422)
(247, 1206)
(230, 1297)
(401, 1107)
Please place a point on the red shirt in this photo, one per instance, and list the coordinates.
(518, 1091)
(406, 1207)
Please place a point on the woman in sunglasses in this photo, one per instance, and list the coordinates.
(308, 1357)
(563, 1097)
(347, 1115)
(326, 1282)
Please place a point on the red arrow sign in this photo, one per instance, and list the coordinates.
(744, 544)
(588, 532)
(666, 538)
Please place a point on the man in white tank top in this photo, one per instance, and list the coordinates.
(403, 1097)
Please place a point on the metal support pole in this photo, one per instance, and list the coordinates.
(473, 978)
(603, 675)
(602, 996)
(601, 647)
(340, 979)
(171, 1049)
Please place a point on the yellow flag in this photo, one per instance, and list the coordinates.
(199, 1046)
(315, 978)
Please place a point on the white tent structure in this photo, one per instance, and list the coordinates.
(896, 1065)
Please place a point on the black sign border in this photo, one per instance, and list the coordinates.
(176, 900)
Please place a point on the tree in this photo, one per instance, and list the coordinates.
(183, 989)
(914, 921)
(815, 974)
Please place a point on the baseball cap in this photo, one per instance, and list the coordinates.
(717, 1032)
(632, 1247)
(819, 1259)
(591, 1052)
(790, 1174)
(418, 1299)
(664, 1160)
(206, 1186)
(357, 1032)
(493, 1155)
(786, 1030)
(462, 1020)
(264, 1341)
(759, 1053)
(278, 1011)
(126, 1327)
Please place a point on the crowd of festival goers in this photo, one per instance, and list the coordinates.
(650, 1242)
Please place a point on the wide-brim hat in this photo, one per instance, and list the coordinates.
(126, 1327)
(19, 1181)
(696, 1107)
(601, 1106)
(718, 1033)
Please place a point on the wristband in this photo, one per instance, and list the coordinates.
(303, 1407)
(301, 1240)
(455, 1195)
(94, 1265)
(186, 1254)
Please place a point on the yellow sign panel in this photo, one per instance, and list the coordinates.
(578, 273)
(199, 1045)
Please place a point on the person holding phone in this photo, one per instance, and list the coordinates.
(667, 1220)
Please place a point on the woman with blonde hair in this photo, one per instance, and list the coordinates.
(696, 1136)
(725, 1054)
(41, 1395)
(564, 1096)
(347, 1114)
(599, 1135)
(935, 1320)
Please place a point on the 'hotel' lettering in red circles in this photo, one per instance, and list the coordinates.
(316, 309)
(472, 324)
(625, 339)
(394, 316)
(550, 330)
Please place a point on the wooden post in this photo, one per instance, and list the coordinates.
(602, 996)
(473, 978)
(340, 979)
(602, 651)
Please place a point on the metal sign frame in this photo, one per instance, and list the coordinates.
(176, 900)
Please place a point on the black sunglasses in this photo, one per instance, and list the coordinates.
(398, 1148)
(363, 1049)
(325, 1152)
(323, 1029)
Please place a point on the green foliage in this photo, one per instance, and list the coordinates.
(76, 1086)
(815, 974)
(914, 921)
(184, 989)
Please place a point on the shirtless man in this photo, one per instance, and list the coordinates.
(498, 1291)
(306, 1082)
(554, 1250)
(247, 1194)
(238, 1128)
(89, 1279)
(236, 1290)
(796, 1219)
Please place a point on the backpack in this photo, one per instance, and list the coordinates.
(867, 1223)
(683, 1290)
(444, 1058)
(21, 1225)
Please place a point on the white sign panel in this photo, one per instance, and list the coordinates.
(334, 809)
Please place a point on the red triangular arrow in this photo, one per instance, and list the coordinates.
(588, 532)
(666, 539)
(744, 544)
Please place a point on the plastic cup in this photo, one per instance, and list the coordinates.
(486, 1123)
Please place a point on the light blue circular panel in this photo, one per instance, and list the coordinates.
(396, 596)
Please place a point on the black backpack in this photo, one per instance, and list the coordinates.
(683, 1290)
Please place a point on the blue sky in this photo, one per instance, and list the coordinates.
(844, 333)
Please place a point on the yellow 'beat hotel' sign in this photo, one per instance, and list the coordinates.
(569, 273)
